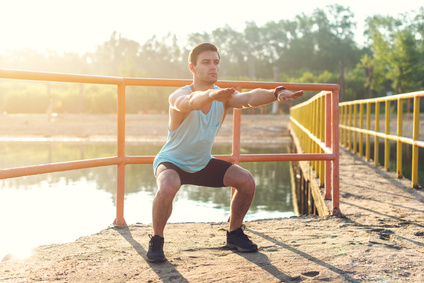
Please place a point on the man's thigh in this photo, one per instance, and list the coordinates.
(237, 176)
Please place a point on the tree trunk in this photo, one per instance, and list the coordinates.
(369, 70)
(341, 81)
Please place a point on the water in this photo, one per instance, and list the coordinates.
(61, 207)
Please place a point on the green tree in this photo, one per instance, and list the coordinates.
(116, 57)
(397, 53)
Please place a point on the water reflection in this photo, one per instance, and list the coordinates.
(272, 178)
(82, 202)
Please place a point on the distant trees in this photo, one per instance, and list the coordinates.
(315, 48)
(397, 53)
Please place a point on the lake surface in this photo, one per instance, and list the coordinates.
(61, 207)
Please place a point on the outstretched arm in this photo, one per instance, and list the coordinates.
(259, 97)
(184, 101)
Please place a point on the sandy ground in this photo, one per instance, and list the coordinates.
(379, 238)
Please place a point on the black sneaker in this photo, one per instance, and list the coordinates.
(238, 240)
(155, 253)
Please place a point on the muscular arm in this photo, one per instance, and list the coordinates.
(253, 98)
(258, 97)
(184, 101)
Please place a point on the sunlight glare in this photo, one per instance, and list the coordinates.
(47, 203)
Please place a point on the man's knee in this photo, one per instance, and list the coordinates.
(249, 184)
(241, 179)
(168, 183)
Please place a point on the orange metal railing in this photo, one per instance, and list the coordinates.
(121, 160)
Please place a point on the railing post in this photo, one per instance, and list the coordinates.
(355, 125)
(349, 135)
(236, 132)
(120, 179)
(314, 131)
(367, 142)
(335, 134)
(377, 129)
(361, 126)
(236, 137)
(415, 137)
(322, 138)
(328, 119)
(398, 142)
(386, 140)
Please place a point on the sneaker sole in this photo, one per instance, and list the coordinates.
(157, 260)
(240, 249)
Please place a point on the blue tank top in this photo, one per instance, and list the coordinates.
(190, 145)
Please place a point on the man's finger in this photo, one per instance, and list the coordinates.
(297, 94)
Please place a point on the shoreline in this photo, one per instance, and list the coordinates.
(75, 128)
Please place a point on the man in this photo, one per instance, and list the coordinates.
(196, 113)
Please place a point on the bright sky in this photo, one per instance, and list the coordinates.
(81, 25)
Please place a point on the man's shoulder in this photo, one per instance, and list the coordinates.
(181, 91)
(187, 88)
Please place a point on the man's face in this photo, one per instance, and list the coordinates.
(207, 67)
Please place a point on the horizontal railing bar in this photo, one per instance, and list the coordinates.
(385, 98)
(58, 77)
(76, 78)
(385, 136)
(98, 162)
(156, 82)
(247, 157)
(271, 85)
(286, 157)
(57, 167)
(242, 84)
(312, 99)
(139, 159)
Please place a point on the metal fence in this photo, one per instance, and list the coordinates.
(353, 116)
(121, 160)
(315, 123)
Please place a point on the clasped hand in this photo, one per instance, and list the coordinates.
(222, 94)
(285, 95)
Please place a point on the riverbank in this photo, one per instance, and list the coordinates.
(379, 238)
(138, 128)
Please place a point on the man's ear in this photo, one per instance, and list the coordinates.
(191, 67)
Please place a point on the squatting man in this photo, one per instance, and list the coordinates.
(196, 112)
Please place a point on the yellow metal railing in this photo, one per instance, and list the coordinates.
(352, 134)
(315, 123)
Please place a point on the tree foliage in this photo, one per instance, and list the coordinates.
(397, 53)
(315, 48)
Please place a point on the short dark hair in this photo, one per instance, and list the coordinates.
(199, 48)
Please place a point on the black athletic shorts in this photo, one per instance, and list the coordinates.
(210, 176)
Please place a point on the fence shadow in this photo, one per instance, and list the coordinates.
(171, 274)
(418, 194)
(278, 274)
